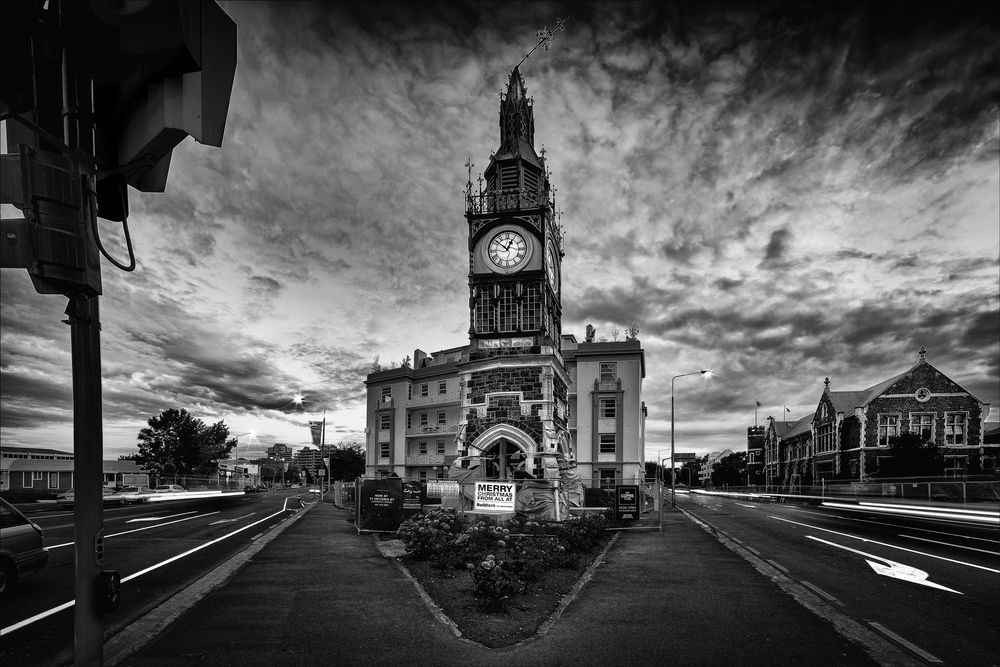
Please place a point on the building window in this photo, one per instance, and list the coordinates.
(954, 428)
(422, 475)
(423, 389)
(607, 408)
(383, 422)
(923, 425)
(609, 371)
(409, 392)
(442, 387)
(53, 480)
(825, 440)
(888, 427)
(607, 479)
(409, 420)
(423, 419)
(442, 417)
(440, 446)
(507, 309)
(385, 393)
(439, 472)
(423, 447)
(484, 311)
(607, 443)
(383, 450)
(955, 466)
(531, 309)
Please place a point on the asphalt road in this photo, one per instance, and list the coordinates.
(158, 548)
(931, 584)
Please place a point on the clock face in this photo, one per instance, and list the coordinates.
(550, 268)
(508, 249)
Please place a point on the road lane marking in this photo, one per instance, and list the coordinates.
(67, 605)
(884, 544)
(158, 518)
(752, 550)
(893, 569)
(820, 592)
(750, 506)
(780, 567)
(913, 647)
(215, 523)
(949, 544)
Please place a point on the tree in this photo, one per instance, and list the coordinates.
(912, 456)
(731, 470)
(347, 462)
(591, 332)
(176, 443)
(632, 333)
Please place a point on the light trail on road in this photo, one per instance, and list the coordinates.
(136, 530)
(66, 605)
(975, 516)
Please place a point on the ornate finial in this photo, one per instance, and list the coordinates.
(923, 353)
(826, 383)
(544, 39)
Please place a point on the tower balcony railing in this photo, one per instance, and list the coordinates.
(509, 199)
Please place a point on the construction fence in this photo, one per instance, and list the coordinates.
(383, 503)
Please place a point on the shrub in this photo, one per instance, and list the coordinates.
(493, 583)
(434, 536)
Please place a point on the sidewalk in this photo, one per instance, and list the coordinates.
(320, 594)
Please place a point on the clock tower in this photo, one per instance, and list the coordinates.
(515, 385)
(515, 245)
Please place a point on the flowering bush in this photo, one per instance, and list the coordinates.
(482, 539)
(493, 583)
(435, 536)
(530, 556)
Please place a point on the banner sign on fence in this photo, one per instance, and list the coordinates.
(442, 488)
(381, 504)
(495, 497)
(627, 501)
(411, 496)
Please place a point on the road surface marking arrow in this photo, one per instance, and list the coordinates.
(160, 518)
(230, 520)
(892, 568)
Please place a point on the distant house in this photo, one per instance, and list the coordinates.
(705, 472)
(847, 436)
(43, 472)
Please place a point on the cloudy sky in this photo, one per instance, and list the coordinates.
(780, 194)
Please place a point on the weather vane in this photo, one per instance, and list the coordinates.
(544, 39)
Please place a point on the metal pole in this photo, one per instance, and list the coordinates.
(88, 474)
(673, 499)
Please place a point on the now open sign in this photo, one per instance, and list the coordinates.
(627, 501)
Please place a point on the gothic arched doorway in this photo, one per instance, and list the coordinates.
(502, 450)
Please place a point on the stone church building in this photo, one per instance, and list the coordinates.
(521, 388)
(847, 436)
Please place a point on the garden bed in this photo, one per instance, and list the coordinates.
(499, 586)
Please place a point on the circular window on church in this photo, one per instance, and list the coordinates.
(922, 394)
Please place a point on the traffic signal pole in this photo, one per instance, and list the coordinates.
(88, 476)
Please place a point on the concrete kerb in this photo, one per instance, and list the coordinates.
(880, 649)
(130, 639)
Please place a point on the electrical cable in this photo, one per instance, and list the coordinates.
(92, 199)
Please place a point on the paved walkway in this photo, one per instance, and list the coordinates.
(320, 594)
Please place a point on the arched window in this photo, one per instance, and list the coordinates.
(485, 314)
(507, 309)
(531, 308)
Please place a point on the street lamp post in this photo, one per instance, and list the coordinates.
(236, 464)
(673, 496)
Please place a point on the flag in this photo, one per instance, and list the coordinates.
(317, 430)
(758, 403)
(787, 409)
